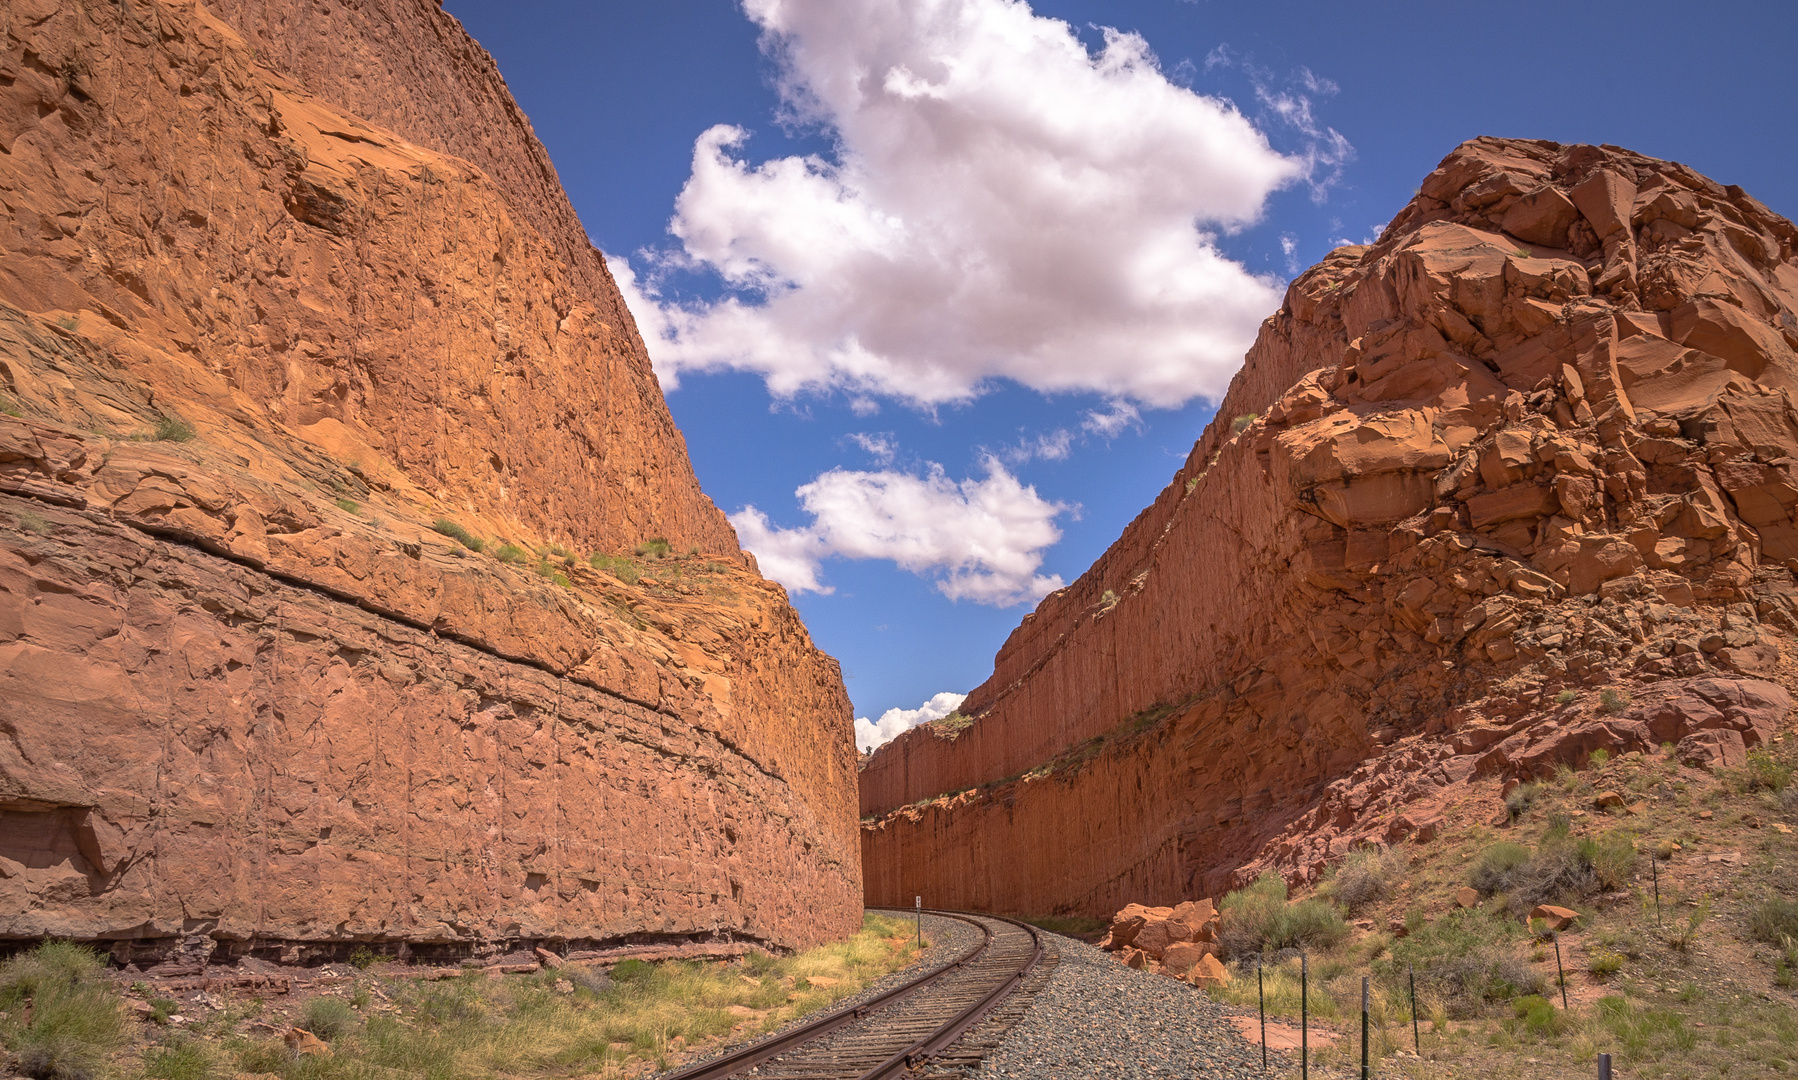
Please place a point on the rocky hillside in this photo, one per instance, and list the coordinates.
(1509, 486)
(355, 585)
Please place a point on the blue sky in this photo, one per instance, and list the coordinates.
(899, 291)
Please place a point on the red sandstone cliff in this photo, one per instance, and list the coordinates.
(249, 693)
(1538, 438)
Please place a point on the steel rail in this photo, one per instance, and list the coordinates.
(753, 1054)
(928, 1047)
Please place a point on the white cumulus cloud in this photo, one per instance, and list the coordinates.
(1001, 203)
(978, 539)
(895, 722)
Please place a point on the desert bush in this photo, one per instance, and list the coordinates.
(1492, 872)
(349, 505)
(32, 522)
(1365, 876)
(1538, 1016)
(654, 548)
(74, 1022)
(459, 534)
(1242, 422)
(1467, 960)
(172, 428)
(1766, 772)
(328, 1017)
(1611, 700)
(1560, 869)
(1566, 697)
(1773, 920)
(1260, 919)
(10, 407)
(181, 1059)
(1521, 798)
(1612, 858)
(509, 553)
(1600, 756)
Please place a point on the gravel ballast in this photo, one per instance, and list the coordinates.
(1098, 1018)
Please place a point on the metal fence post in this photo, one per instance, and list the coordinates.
(1561, 971)
(1416, 1039)
(1364, 1072)
(1261, 994)
(1604, 1067)
(1304, 1016)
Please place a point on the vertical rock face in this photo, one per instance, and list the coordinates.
(274, 327)
(1508, 486)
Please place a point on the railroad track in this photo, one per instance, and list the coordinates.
(899, 1030)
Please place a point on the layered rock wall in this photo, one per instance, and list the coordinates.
(1534, 441)
(260, 357)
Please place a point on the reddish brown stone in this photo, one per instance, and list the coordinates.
(1536, 436)
(250, 696)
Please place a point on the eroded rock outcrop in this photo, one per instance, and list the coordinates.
(272, 330)
(1510, 485)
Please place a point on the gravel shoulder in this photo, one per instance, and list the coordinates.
(1097, 1018)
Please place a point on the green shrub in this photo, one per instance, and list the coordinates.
(557, 551)
(10, 407)
(76, 1022)
(1539, 1016)
(459, 534)
(362, 957)
(1599, 757)
(1612, 700)
(1766, 772)
(509, 553)
(1605, 964)
(1492, 872)
(1365, 875)
(561, 579)
(1521, 798)
(1238, 425)
(172, 428)
(1259, 919)
(181, 1059)
(631, 971)
(544, 568)
(1612, 858)
(1566, 697)
(1466, 958)
(654, 548)
(621, 568)
(349, 505)
(328, 1017)
(1774, 920)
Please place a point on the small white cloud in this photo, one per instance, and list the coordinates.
(977, 539)
(895, 722)
(880, 445)
(1055, 446)
(1116, 416)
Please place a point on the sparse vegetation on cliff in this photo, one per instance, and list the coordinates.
(654, 548)
(459, 534)
(172, 428)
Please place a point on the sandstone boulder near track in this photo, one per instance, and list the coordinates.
(267, 318)
(1507, 487)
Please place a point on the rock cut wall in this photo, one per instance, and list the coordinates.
(1537, 439)
(261, 355)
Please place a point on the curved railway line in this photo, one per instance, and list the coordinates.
(901, 1029)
